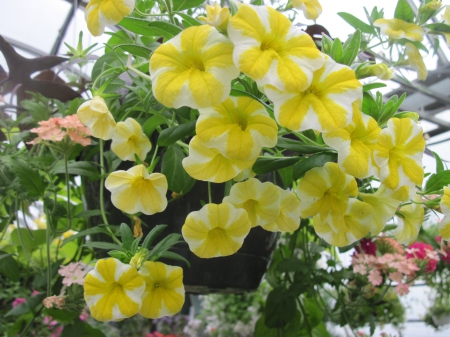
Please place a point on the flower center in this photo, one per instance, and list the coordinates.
(157, 285)
(239, 118)
(217, 234)
(268, 44)
(196, 63)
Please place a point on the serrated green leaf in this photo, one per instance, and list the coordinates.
(179, 5)
(171, 135)
(29, 178)
(357, 23)
(314, 161)
(268, 164)
(437, 181)
(403, 11)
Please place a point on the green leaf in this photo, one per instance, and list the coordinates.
(357, 23)
(292, 264)
(438, 27)
(179, 5)
(437, 181)
(75, 329)
(314, 161)
(337, 50)
(126, 235)
(189, 19)
(61, 315)
(173, 256)
(286, 176)
(262, 330)
(77, 168)
(403, 11)
(103, 245)
(31, 303)
(152, 123)
(165, 29)
(152, 235)
(138, 26)
(268, 164)
(313, 313)
(299, 147)
(351, 48)
(280, 308)
(177, 178)
(9, 266)
(135, 245)
(137, 50)
(89, 331)
(370, 86)
(165, 244)
(439, 164)
(170, 135)
(30, 242)
(30, 179)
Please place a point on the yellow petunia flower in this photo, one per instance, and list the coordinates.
(164, 290)
(269, 49)
(415, 60)
(101, 13)
(136, 190)
(398, 29)
(399, 153)
(324, 106)
(446, 18)
(216, 230)
(239, 128)
(409, 225)
(354, 226)
(208, 164)
(384, 206)
(289, 218)
(113, 290)
(444, 228)
(129, 140)
(217, 16)
(445, 201)
(444, 224)
(96, 116)
(355, 144)
(260, 200)
(325, 191)
(310, 8)
(193, 69)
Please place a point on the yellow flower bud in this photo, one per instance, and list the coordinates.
(217, 16)
(139, 258)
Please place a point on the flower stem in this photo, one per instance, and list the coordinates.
(48, 240)
(69, 215)
(209, 192)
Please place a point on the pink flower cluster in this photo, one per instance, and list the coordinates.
(55, 129)
(73, 273)
(396, 267)
(423, 252)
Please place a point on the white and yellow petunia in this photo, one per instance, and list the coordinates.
(415, 60)
(324, 106)
(96, 116)
(136, 190)
(355, 144)
(217, 16)
(216, 230)
(269, 49)
(355, 224)
(193, 69)
(260, 200)
(164, 289)
(310, 8)
(129, 140)
(398, 29)
(444, 224)
(325, 191)
(101, 13)
(399, 153)
(289, 218)
(409, 222)
(208, 164)
(384, 206)
(113, 290)
(239, 128)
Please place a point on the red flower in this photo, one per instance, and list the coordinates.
(423, 251)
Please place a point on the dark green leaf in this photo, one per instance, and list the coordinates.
(437, 181)
(173, 256)
(165, 29)
(30, 242)
(286, 176)
(179, 5)
(61, 316)
(439, 164)
(351, 48)
(298, 146)
(75, 329)
(369, 106)
(137, 50)
(138, 26)
(103, 245)
(135, 245)
(170, 135)
(78, 168)
(370, 86)
(177, 178)
(90, 231)
(403, 11)
(314, 161)
(88, 214)
(289, 265)
(262, 330)
(31, 303)
(189, 19)
(438, 27)
(152, 123)
(30, 179)
(152, 235)
(268, 164)
(126, 235)
(109, 60)
(89, 331)
(357, 23)
(280, 309)
(165, 244)
(313, 313)
(337, 50)
(9, 266)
